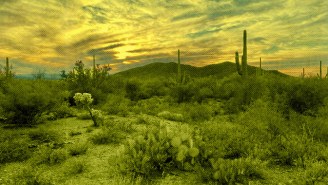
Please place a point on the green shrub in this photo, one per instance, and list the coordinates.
(43, 135)
(198, 112)
(63, 110)
(107, 136)
(84, 116)
(117, 105)
(46, 155)
(151, 106)
(233, 171)
(78, 149)
(27, 100)
(14, 150)
(171, 116)
(29, 175)
(76, 166)
(161, 149)
(317, 173)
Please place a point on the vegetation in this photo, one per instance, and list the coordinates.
(204, 129)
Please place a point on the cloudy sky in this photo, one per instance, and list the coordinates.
(53, 34)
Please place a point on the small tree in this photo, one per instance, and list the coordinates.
(85, 100)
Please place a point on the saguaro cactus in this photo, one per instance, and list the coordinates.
(320, 69)
(243, 70)
(261, 72)
(94, 66)
(7, 67)
(179, 67)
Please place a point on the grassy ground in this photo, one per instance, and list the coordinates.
(97, 163)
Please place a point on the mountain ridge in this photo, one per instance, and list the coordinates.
(166, 70)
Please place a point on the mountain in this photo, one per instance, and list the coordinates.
(167, 70)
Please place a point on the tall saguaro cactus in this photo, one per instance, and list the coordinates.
(7, 67)
(320, 69)
(243, 70)
(179, 67)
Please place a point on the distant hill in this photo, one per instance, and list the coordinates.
(167, 70)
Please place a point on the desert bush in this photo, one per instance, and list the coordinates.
(117, 104)
(27, 100)
(183, 92)
(43, 135)
(46, 155)
(14, 150)
(198, 112)
(63, 110)
(234, 171)
(151, 106)
(295, 150)
(78, 149)
(171, 116)
(317, 173)
(83, 116)
(161, 149)
(76, 166)
(107, 136)
(29, 175)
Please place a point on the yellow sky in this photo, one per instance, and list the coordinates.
(53, 34)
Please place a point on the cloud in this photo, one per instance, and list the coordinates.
(126, 33)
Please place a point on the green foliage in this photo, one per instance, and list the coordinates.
(162, 149)
(198, 112)
(76, 166)
(46, 155)
(317, 173)
(117, 104)
(78, 149)
(43, 135)
(29, 175)
(25, 101)
(63, 110)
(85, 100)
(14, 150)
(171, 116)
(107, 136)
(233, 171)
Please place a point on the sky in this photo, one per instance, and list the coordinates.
(52, 34)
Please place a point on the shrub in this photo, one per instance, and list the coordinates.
(107, 136)
(117, 104)
(162, 149)
(26, 101)
(233, 171)
(63, 111)
(29, 175)
(43, 135)
(46, 155)
(317, 173)
(14, 150)
(84, 116)
(171, 116)
(198, 112)
(151, 106)
(76, 166)
(78, 149)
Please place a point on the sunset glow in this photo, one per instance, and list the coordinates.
(53, 34)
